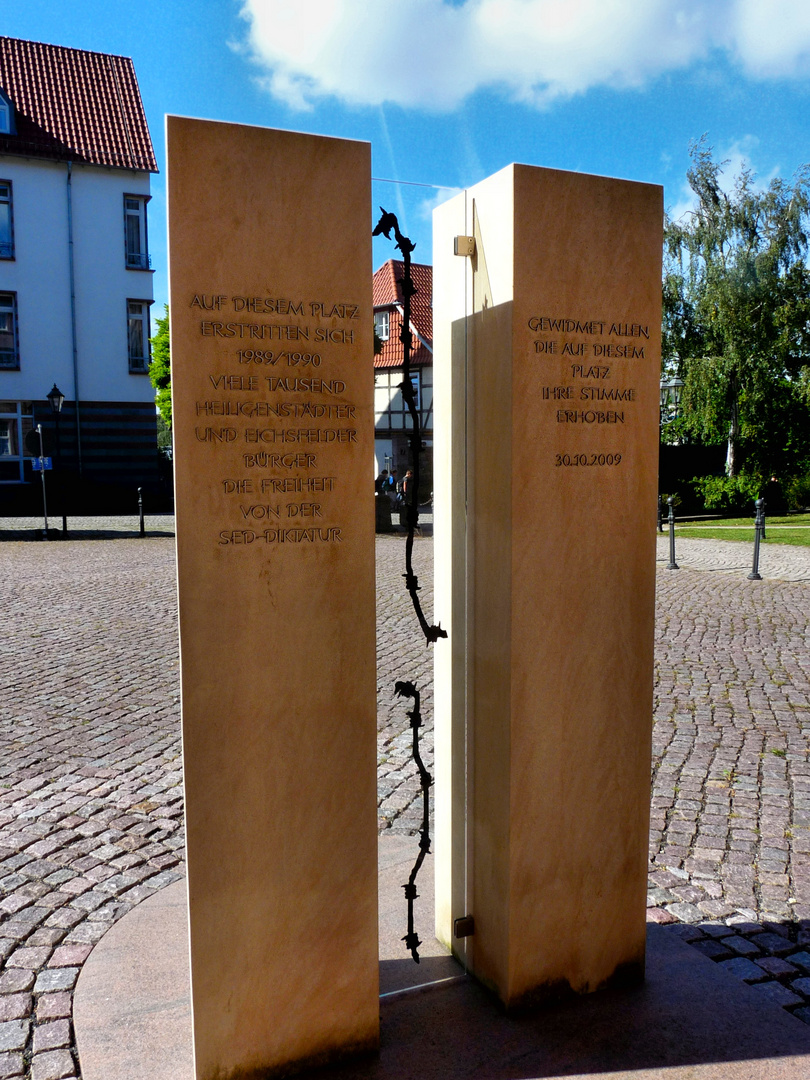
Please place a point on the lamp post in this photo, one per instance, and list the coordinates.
(671, 390)
(670, 399)
(55, 400)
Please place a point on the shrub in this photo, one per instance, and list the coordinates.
(728, 494)
(797, 492)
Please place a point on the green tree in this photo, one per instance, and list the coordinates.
(737, 318)
(160, 371)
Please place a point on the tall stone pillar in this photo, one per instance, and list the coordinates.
(547, 367)
(272, 351)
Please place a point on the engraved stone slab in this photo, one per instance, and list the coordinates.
(271, 338)
(547, 362)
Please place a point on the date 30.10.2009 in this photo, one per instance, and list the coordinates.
(587, 459)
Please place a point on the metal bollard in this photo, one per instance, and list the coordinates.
(140, 511)
(759, 530)
(660, 514)
(672, 565)
(42, 477)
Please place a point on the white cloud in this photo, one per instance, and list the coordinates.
(772, 39)
(432, 53)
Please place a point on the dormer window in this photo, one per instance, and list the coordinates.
(6, 115)
(381, 325)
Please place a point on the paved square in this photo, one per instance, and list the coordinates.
(91, 784)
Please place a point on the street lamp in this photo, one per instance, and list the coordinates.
(671, 390)
(670, 399)
(55, 400)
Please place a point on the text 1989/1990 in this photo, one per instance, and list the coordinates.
(587, 459)
(258, 356)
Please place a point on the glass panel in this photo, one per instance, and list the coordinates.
(135, 338)
(133, 235)
(27, 425)
(8, 438)
(8, 351)
(8, 407)
(10, 470)
(5, 226)
(5, 118)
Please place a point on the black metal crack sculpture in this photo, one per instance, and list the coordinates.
(385, 226)
(408, 689)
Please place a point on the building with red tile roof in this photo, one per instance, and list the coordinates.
(392, 422)
(75, 276)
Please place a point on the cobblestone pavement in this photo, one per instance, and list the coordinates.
(86, 528)
(90, 780)
(91, 802)
(730, 828)
(782, 561)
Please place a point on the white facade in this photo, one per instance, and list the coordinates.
(50, 202)
(39, 274)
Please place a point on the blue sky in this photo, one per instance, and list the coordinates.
(449, 91)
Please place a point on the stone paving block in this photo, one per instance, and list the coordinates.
(744, 969)
(658, 915)
(685, 912)
(52, 1065)
(31, 958)
(16, 980)
(778, 994)
(53, 1006)
(54, 1035)
(11, 1065)
(714, 929)
(801, 959)
(13, 1034)
(774, 944)
(775, 965)
(70, 956)
(55, 979)
(711, 948)
(740, 945)
(14, 1006)
(803, 1014)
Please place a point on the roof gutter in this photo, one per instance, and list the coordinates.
(73, 313)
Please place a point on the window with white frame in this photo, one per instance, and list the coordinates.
(415, 385)
(381, 325)
(16, 420)
(138, 334)
(9, 355)
(137, 252)
(6, 229)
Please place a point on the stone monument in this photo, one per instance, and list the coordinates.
(547, 314)
(272, 351)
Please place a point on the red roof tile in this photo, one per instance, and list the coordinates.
(74, 105)
(387, 293)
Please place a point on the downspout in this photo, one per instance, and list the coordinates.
(73, 313)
